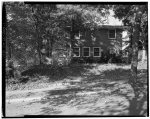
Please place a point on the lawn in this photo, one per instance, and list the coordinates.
(44, 76)
(95, 89)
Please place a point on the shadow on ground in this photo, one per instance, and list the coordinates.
(55, 73)
(105, 93)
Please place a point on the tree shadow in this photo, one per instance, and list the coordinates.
(138, 102)
(56, 72)
(106, 94)
(138, 105)
(24, 79)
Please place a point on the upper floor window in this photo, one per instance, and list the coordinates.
(67, 35)
(96, 52)
(78, 35)
(86, 51)
(112, 34)
(76, 52)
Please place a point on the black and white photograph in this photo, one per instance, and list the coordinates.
(75, 59)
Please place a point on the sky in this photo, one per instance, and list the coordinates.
(112, 20)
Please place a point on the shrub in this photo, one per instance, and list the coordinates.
(12, 71)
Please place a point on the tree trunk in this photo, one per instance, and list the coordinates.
(72, 39)
(134, 64)
(134, 60)
(9, 49)
(38, 40)
(48, 48)
(49, 51)
(39, 49)
(10, 66)
(136, 32)
(37, 28)
(143, 54)
(51, 48)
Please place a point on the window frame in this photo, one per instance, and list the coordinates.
(78, 35)
(99, 52)
(83, 51)
(79, 52)
(109, 33)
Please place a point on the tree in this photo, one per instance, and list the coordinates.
(77, 17)
(132, 15)
(29, 25)
(18, 38)
(43, 21)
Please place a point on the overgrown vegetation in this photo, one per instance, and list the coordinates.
(39, 44)
(135, 16)
(40, 37)
(95, 89)
(35, 33)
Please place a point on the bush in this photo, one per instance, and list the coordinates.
(12, 71)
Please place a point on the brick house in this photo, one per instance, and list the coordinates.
(97, 44)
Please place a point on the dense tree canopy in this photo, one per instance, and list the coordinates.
(33, 30)
(127, 13)
(135, 16)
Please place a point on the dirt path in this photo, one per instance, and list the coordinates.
(99, 92)
(72, 101)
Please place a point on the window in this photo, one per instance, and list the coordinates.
(78, 35)
(96, 52)
(86, 52)
(67, 35)
(112, 34)
(76, 52)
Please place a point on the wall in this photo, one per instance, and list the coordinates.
(99, 38)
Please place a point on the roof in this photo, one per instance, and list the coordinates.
(107, 27)
(113, 26)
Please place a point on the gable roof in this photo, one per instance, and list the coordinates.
(113, 27)
(105, 27)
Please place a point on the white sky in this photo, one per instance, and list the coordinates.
(112, 20)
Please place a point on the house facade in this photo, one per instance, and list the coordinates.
(104, 41)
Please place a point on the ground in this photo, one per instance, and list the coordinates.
(95, 89)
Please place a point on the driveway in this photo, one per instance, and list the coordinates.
(101, 90)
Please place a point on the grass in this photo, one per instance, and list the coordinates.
(36, 82)
(95, 89)
(42, 77)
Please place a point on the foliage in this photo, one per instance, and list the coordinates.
(127, 13)
(19, 33)
(34, 31)
(136, 17)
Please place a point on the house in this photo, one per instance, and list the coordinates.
(98, 44)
